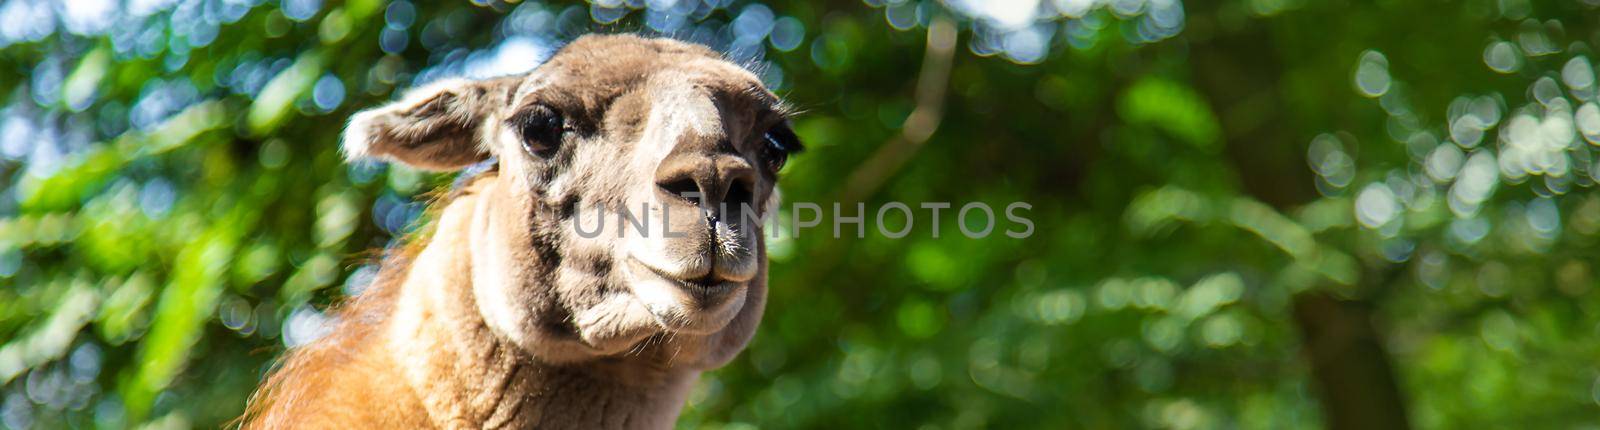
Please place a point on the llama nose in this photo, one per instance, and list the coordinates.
(719, 184)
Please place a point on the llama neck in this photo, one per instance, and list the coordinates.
(467, 375)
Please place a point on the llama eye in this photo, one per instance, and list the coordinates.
(540, 129)
(774, 154)
(780, 142)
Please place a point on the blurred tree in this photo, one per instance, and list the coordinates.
(1248, 213)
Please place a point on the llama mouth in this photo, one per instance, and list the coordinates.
(707, 281)
(698, 305)
(705, 288)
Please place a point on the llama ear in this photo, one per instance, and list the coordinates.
(436, 127)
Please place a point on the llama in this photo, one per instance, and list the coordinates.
(504, 315)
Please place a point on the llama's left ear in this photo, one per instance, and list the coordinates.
(436, 127)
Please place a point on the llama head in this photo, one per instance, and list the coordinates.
(625, 215)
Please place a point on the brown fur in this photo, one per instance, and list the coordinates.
(504, 317)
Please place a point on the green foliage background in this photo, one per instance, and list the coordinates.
(1249, 213)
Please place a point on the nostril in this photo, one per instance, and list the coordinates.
(684, 188)
(740, 196)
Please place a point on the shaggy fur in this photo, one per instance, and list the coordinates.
(505, 316)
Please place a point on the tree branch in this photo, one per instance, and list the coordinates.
(932, 82)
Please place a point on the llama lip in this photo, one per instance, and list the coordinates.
(699, 305)
(703, 288)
